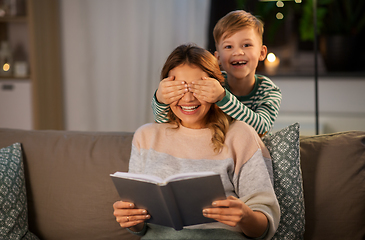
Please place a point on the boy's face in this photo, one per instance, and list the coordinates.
(240, 53)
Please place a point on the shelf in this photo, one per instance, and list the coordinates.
(13, 19)
(11, 78)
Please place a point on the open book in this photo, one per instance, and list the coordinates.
(175, 202)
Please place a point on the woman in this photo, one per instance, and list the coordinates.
(200, 137)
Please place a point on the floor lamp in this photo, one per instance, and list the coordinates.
(316, 64)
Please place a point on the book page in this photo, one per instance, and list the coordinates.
(157, 180)
(181, 176)
(137, 176)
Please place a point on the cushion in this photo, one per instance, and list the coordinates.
(333, 167)
(13, 199)
(284, 150)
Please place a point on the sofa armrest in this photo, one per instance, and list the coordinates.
(333, 169)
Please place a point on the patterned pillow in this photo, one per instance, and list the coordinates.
(13, 199)
(285, 153)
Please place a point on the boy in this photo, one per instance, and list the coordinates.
(247, 97)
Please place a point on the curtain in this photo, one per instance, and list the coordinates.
(113, 52)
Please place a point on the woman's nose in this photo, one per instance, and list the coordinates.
(188, 97)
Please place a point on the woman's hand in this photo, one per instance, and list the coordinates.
(230, 211)
(233, 212)
(130, 217)
(170, 90)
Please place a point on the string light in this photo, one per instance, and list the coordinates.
(296, 1)
(279, 15)
(280, 4)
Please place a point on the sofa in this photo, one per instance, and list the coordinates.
(69, 193)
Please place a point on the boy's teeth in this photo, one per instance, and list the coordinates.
(239, 62)
(189, 108)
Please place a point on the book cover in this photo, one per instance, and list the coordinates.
(175, 202)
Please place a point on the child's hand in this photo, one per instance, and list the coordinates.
(170, 91)
(128, 216)
(207, 89)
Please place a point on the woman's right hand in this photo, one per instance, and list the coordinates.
(170, 90)
(130, 217)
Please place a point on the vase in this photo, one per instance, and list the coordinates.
(339, 53)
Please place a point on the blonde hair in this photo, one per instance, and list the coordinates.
(191, 54)
(235, 21)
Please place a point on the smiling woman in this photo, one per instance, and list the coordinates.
(199, 137)
(188, 63)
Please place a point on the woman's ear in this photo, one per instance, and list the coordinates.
(216, 55)
(263, 53)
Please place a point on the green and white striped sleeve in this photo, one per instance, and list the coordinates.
(159, 110)
(263, 112)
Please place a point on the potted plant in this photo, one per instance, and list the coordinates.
(340, 24)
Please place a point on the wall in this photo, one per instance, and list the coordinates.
(341, 103)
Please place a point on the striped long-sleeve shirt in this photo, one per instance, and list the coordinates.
(259, 109)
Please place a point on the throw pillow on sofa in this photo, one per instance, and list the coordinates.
(13, 199)
(285, 154)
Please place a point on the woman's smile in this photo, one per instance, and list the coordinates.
(189, 109)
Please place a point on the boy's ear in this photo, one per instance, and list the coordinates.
(216, 55)
(263, 53)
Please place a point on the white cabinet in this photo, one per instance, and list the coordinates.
(15, 104)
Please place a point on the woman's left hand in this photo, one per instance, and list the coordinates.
(230, 211)
(234, 212)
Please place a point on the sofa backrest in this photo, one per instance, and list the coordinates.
(70, 193)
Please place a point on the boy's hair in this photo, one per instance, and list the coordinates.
(235, 21)
(191, 54)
